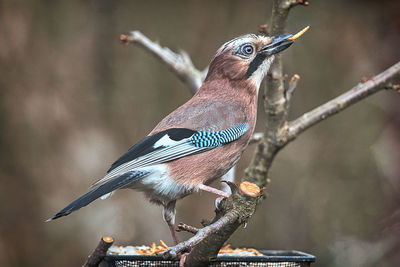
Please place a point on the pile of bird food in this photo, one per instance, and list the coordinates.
(155, 249)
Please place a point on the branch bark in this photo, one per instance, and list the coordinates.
(389, 79)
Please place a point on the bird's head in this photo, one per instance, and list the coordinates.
(248, 57)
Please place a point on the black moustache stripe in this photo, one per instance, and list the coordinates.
(257, 61)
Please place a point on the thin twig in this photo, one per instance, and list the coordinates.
(184, 227)
(291, 86)
(179, 63)
(293, 3)
(385, 80)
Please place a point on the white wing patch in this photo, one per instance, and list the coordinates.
(165, 141)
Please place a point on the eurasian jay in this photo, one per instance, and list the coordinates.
(202, 139)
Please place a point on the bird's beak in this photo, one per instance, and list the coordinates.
(281, 42)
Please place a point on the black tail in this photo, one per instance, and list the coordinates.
(99, 191)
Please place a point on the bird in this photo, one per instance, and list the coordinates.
(202, 139)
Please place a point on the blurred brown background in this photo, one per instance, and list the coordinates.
(73, 99)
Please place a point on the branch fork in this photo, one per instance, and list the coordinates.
(230, 214)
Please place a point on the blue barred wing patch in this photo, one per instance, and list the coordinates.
(215, 139)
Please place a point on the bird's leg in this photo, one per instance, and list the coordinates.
(214, 190)
(173, 232)
(169, 217)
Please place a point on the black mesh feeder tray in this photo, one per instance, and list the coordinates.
(270, 258)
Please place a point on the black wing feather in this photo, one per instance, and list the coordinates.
(146, 146)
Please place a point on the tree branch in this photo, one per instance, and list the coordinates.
(100, 252)
(389, 79)
(178, 63)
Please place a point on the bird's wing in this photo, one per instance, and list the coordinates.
(169, 145)
(158, 148)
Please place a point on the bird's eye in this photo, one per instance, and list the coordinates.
(247, 50)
